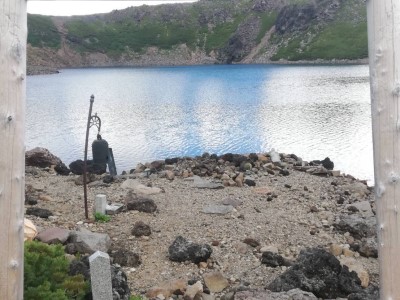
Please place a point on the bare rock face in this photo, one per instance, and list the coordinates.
(320, 273)
(41, 157)
(295, 17)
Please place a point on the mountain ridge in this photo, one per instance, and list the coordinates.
(204, 32)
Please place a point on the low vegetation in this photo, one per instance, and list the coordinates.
(46, 274)
(42, 32)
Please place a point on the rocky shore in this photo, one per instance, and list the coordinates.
(257, 226)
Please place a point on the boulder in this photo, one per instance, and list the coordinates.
(85, 241)
(272, 259)
(77, 166)
(135, 202)
(126, 258)
(320, 273)
(119, 282)
(41, 157)
(182, 250)
(62, 169)
(357, 226)
(368, 247)
(141, 229)
(54, 235)
(39, 212)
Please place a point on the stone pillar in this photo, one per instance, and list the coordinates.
(100, 275)
(101, 204)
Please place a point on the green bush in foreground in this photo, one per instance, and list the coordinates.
(46, 274)
(99, 217)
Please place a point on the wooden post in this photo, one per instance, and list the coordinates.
(384, 57)
(13, 34)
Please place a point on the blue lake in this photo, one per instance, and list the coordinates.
(155, 113)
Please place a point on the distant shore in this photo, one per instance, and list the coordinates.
(43, 70)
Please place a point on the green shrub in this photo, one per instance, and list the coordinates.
(46, 274)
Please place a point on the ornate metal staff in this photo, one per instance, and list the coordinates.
(92, 121)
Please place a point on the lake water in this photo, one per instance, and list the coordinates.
(155, 113)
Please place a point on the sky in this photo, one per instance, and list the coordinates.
(76, 7)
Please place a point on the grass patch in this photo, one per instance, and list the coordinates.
(42, 32)
(99, 217)
(267, 21)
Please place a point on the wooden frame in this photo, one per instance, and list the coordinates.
(384, 53)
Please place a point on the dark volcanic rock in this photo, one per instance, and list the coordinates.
(134, 202)
(41, 157)
(126, 258)
(370, 293)
(274, 260)
(327, 163)
(62, 169)
(141, 229)
(119, 282)
(320, 273)
(39, 212)
(368, 247)
(76, 167)
(183, 250)
(356, 225)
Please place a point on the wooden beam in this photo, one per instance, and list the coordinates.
(384, 57)
(13, 34)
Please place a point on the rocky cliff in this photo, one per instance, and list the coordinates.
(204, 32)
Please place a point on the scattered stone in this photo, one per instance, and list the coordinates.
(77, 167)
(139, 188)
(289, 186)
(108, 179)
(215, 282)
(167, 289)
(232, 202)
(114, 208)
(295, 294)
(135, 202)
(30, 200)
(205, 184)
(239, 180)
(170, 175)
(218, 209)
(38, 212)
(364, 207)
(89, 178)
(275, 157)
(182, 250)
(41, 157)
(45, 198)
(368, 247)
(126, 258)
(250, 181)
(272, 259)
(141, 229)
(53, 235)
(336, 249)
(284, 172)
(193, 290)
(251, 242)
(320, 273)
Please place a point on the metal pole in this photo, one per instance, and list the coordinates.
(85, 159)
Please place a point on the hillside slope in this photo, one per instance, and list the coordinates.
(205, 32)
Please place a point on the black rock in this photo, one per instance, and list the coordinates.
(183, 250)
(249, 181)
(108, 179)
(141, 229)
(126, 258)
(320, 273)
(253, 157)
(76, 167)
(171, 161)
(38, 212)
(80, 266)
(119, 282)
(134, 202)
(227, 157)
(327, 163)
(30, 200)
(284, 172)
(368, 247)
(274, 260)
(62, 169)
(370, 293)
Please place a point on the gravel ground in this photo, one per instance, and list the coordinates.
(299, 214)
